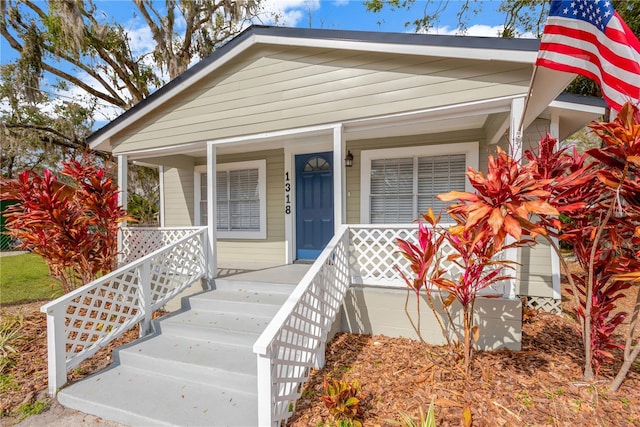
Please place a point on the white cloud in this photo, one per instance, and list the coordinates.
(288, 13)
(140, 39)
(341, 2)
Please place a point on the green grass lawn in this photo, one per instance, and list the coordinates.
(25, 278)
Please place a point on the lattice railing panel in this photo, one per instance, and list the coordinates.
(87, 319)
(140, 241)
(294, 341)
(174, 268)
(374, 254)
(97, 315)
(545, 304)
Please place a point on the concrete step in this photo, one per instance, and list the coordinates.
(228, 328)
(265, 303)
(193, 360)
(253, 285)
(137, 397)
(197, 369)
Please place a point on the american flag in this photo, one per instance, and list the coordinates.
(588, 37)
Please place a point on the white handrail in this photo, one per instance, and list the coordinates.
(136, 242)
(294, 340)
(88, 318)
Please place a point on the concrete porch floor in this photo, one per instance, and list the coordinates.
(290, 274)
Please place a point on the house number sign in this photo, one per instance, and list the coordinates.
(287, 194)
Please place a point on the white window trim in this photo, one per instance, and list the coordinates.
(261, 165)
(469, 149)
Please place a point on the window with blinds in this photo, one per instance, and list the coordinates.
(404, 188)
(238, 200)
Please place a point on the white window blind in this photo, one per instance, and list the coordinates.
(437, 175)
(403, 188)
(238, 200)
(392, 191)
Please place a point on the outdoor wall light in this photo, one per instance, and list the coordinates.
(348, 160)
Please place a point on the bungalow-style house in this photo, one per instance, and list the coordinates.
(315, 149)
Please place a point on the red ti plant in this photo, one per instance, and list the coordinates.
(423, 259)
(74, 230)
(618, 210)
(502, 205)
(476, 256)
(601, 199)
(504, 201)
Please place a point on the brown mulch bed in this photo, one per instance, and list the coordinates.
(27, 374)
(540, 385)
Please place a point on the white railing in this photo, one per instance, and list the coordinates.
(137, 242)
(87, 319)
(374, 255)
(294, 341)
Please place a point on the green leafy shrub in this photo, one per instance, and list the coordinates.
(426, 420)
(10, 328)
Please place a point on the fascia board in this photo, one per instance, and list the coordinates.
(563, 105)
(518, 56)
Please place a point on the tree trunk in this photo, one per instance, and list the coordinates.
(624, 369)
(468, 317)
(630, 352)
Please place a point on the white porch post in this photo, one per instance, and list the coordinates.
(123, 196)
(265, 390)
(515, 151)
(161, 182)
(211, 211)
(56, 350)
(554, 130)
(339, 183)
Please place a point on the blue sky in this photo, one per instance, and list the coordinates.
(328, 14)
(352, 15)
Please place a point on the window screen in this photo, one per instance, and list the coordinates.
(238, 200)
(404, 188)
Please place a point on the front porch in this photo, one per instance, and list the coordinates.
(280, 317)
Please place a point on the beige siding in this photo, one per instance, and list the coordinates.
(259, 253)
(530, 138)
(356, 148)
(381, 311)
(178, 197)
(250, 254)
(535, 272)
(274, 89)
(536, 131)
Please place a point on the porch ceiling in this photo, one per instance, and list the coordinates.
(413, 123)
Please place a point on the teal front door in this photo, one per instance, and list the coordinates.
(314, 203)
